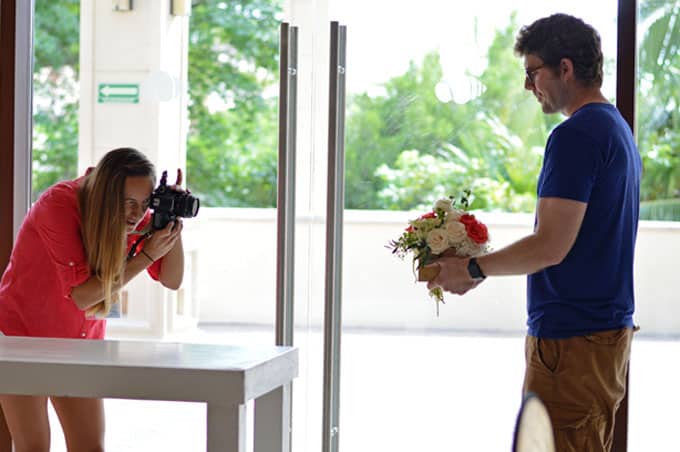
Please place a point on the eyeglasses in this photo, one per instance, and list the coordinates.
(531, 72)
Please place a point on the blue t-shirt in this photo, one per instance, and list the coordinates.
(591, 157)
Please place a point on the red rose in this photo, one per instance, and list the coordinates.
(477, 232)
(467, 219)
(410, 228)
(428, 215)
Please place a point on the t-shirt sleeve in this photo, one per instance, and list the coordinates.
(570, 166)
(56, 219)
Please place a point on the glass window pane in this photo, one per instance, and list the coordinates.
(658, 122)
(436, 104)
(652, 374)
(233, 90)
(55, 93)
(231, 159)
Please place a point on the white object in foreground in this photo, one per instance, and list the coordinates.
(533, 431)
(225, 377)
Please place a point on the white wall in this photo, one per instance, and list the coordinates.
(236, 274)
(146, 47)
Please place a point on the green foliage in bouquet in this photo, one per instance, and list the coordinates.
(414, 238)
(447, 230)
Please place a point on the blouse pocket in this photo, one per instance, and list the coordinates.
(71, 274)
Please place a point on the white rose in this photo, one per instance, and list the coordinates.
(437, 241)
(468, 248)
(455, 232)
(454, 215)
(420, 228)
(444, 204)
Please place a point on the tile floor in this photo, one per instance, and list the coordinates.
(405, 392)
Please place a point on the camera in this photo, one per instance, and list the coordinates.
(168, 204)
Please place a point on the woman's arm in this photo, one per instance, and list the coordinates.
(172, 267)
(167, 244)
(164, 243)
(91, 291)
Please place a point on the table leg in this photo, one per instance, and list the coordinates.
(272, 420)
(226, 428)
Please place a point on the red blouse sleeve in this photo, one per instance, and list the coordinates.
(56, 219)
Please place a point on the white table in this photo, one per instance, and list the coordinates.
(225, 377)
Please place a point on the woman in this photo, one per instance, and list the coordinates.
(69, 262)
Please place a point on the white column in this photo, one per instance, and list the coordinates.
(146, 48)
(133, 93)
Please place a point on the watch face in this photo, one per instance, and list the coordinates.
(474, 270)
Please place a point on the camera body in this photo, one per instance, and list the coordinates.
(168, 204)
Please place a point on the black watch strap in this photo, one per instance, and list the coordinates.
(474, 270)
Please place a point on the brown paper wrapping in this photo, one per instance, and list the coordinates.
(428, 273)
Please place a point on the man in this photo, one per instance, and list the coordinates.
(580, 256)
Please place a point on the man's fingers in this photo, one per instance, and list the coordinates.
(179, 177)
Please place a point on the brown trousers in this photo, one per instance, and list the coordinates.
(582, 381)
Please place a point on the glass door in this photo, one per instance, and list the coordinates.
(206, 84)
(658, 135)
(435, 105)
(196, 89)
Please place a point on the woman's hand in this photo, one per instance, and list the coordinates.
(163, 240)
(178, 183)
(167, 244)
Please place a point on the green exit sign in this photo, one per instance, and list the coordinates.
(120, 93)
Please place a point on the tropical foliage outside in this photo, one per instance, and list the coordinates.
(403, 147)
(658, 128)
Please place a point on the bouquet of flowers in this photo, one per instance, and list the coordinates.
(449, 229)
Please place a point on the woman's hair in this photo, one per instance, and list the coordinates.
(562, 36)
(102, 209)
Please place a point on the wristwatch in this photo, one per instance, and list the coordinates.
(474, 270)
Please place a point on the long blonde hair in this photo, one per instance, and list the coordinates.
(102, 210)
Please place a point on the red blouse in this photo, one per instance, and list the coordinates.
(47, 262)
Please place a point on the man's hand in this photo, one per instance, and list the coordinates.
(453, 275)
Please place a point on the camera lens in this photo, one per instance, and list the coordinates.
(186, 206)
(194, 206)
